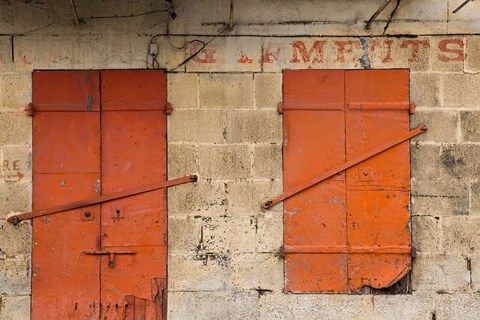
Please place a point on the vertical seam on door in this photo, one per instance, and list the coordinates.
(345, 107)
(100, 113)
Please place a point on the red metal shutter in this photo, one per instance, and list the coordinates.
(66, 168)
(99, 133)
(351, 230)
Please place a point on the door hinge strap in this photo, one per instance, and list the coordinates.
(96, 200)
(373, 152)
(346, 249)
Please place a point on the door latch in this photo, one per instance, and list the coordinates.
(111, 254)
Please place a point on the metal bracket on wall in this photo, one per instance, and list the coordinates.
(367, 155)
(96, 200)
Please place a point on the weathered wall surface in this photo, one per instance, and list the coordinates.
(224, 258)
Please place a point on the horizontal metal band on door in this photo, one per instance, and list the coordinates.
(345, 250)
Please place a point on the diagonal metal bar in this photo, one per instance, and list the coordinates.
(346, 165)
(375, 15)
(74, 11)
(461, 6)
(96, 200)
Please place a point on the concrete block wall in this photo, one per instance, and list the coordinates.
(223, 254)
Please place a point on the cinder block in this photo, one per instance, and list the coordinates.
(15, 197)
(437, 205)
(196, 126)
(461, 235)
(461, 90)
(448, 53)
(314, 53)
(427, 234)
(428, 15)
(169, 57)
(225, 54)
(442, 125)
(470, 125)
(15, 128)
(113, 50)
(316, 306)
(15, 308)
(246, 197)
(458, 306)
(6, 51)
(269, 236)
(15, 275)
(411, 53)
(224, 162)
(440, 197)
(221, 234)
(205, 198)
(472, 63)
(268, 90)
(426, 163)
(257, 271)
(267, 161)
(459, 160)
(16, 91)
(215, 236)
(184, 235)
(183, 90)
(475, 199)
(440, 273)
(200, 272)
(417, 306)
(181, 160)
(424, 89)
(254, 126)
(463, 21)
(14, 240)
(17, 163)
(226, 90)
(213, 305)
(440, 187)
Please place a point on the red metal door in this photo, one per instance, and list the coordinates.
(106, 261)
(351, 230)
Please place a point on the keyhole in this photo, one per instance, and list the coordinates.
(118, 213)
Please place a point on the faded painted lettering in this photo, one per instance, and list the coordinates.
(416, 45)
(300, 49)
(451, 50)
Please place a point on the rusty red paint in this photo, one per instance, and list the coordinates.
(387, 46)
(244, 58)
(269, 56)
(344, 47)
(206, 55)
(416, 45)
(83, 264)
(316, 51)
(351, 230)
(454, 54)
